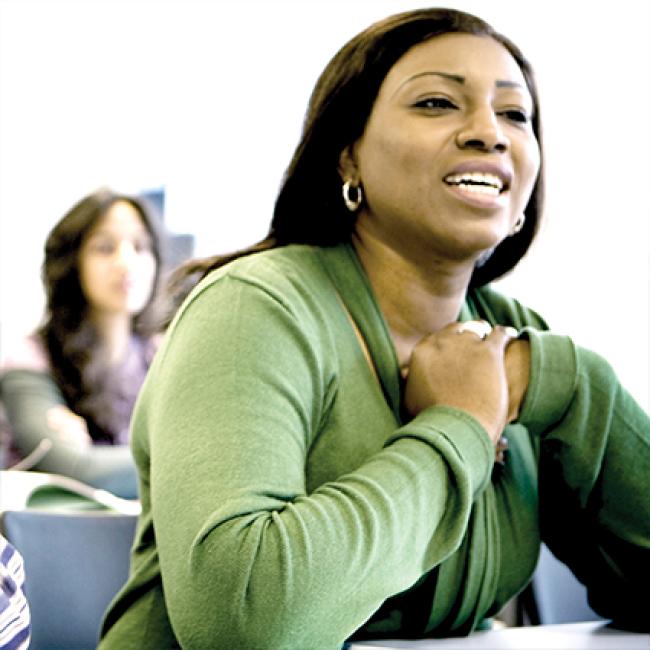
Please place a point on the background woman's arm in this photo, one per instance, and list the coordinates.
(36, 411)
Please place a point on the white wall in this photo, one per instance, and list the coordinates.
(207, 99)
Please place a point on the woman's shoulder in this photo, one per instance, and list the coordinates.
(278, 264)
(283, 271)
(291, 277)
(26, 353)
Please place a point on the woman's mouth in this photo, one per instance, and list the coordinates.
(477, 183)
(479, 189)
(124, 286)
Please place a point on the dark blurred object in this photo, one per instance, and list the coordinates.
(179, 247)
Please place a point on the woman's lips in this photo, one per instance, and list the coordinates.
(479, 195)
(481, 172)
(124, 286)
(480, 184)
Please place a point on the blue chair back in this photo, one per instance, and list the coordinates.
(75, 562)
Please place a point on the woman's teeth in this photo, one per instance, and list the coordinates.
(476, 182)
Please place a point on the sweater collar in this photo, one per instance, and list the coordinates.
(346, 272)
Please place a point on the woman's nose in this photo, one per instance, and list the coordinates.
(126, 254)
(482, 132)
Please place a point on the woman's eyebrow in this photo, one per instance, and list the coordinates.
(502, 83)
(499, 83)
(445, 75)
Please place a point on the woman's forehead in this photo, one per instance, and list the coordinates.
(467, 57)
(122, 217)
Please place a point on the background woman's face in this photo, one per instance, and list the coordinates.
(117, 266)
(448, 159)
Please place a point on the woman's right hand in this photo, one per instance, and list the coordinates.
(70, 427)
(460, 369)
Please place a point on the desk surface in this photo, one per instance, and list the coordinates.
(572, 636)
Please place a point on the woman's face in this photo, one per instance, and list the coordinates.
(117, 266)
(448, 158)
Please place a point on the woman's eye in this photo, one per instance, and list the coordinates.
(103, 247)
(435, 103)
(142, 245)
(516, 115)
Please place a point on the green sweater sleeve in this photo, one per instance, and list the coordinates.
(594, 470)
(27, 395)
(249, 558)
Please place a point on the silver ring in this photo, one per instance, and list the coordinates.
(479, 327)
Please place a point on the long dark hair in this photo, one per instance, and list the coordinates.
(309, 208)
(69, 336)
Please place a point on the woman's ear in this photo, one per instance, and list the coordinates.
(348, 168)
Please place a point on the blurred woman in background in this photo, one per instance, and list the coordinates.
(69, 388)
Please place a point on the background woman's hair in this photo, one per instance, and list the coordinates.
(70, 338)
(309, 208)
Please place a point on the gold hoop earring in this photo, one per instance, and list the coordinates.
(519, 224)
(352, 204)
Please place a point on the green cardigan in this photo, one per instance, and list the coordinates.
(287, 503)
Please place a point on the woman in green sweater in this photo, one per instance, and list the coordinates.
(321, 440)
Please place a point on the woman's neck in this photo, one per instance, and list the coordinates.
(416, 299)
(115, 332)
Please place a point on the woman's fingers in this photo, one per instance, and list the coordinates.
(462, 366)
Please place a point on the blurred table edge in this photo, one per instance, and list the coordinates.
(594, 635)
